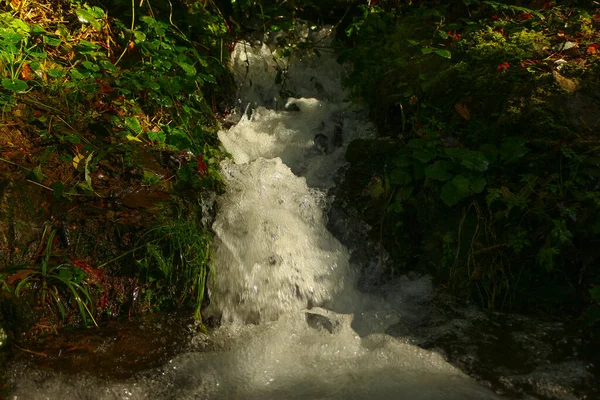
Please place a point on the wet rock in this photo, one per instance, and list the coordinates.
(24, 208)
(584, 111)
(322, 143)
(292, 107)
(362, 150)
(338, 137)
(115, 349)
(518, 355)
(16, 317)
(321, 322)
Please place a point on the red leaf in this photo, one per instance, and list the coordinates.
(503, 66)
(94, 273)
(27, 73)
(202, 168)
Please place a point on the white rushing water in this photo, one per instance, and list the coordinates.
(294, 326)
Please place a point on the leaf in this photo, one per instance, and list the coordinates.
(565, 83)
(15, 85)
(87, 17)
(133, 138)
(424, 155)
(513, 149)
(546, 257)
(88, 178)
(402, 161)
(463, 110)
(439, 171)
(478, 185)
(443, 53)
(133, 124)
(77, 160)
(58, 189)
(139, 36)
(473, 160)
(187, 68)
(38, 174)
(91, 66)
(455, 190)
(56, 73)
(159, 136)
(208, 78)
(400, 177)
(52, 41)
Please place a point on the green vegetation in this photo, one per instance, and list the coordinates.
(107, 144)
(494, 111)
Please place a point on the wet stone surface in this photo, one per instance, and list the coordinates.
(114, 350)
(519, 356)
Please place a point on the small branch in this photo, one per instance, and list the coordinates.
(491, 248)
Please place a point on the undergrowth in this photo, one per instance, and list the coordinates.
(493, 109)
(110, 107)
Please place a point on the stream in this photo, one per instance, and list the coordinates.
(294, 324)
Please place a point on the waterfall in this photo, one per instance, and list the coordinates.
(294, 326)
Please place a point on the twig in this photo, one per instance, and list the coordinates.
(132, 26)
(485, 250)
(30, 351)
(15, 164)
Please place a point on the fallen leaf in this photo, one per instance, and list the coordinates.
(19, 275)
(463, 111)
(567, 84)
(77, 158)
(27, 73)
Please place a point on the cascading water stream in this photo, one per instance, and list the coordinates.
(294, 326)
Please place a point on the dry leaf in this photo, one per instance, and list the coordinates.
(463, 111)
(567, 84)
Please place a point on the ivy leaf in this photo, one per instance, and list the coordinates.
(208, 78)
(133, 124)
(424, 155)
(86, 17)
(402, 161)
(399, 177)
(187, 68)
(139, 36)
(473, 160)
(159, 136)
(38, 174)
(15, 85)
(54, 42)
(546, 257)
(58, 189)
(439, 171)
(455, 190)
(443, 53)
(478, 185)
(513, 149)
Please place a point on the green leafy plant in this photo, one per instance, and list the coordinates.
(485, 146)
(53, 285)
(177, 259)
